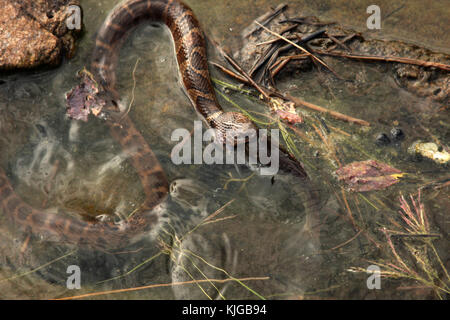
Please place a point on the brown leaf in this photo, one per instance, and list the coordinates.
(368, 175)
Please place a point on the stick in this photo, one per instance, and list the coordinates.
(230, 73)
(335, 114)
(421, 63)
(343, 45)
(299, 47)
(275, 49)
(241, 71)
(173, 284)
(346, 242)
(264, 19)
(272, 41)
(132, 90)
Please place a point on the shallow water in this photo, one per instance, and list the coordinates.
(275, 234)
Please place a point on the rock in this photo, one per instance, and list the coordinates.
(429, 150)
(397, 134)
(34, 33)
(382, 139)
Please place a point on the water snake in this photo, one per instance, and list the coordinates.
(191, 56)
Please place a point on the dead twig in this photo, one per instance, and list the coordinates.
(301, 48)
(301, 20)
(132, 90)
(231, 73)
(273, 40)
(172, 284)
(300, 103)
(342, 44)
(421, 63)
(346, 242)
(264, 19)
(276, 49)
(242, 72)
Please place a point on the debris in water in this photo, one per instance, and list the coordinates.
(382, 139)
(368, 175)
(429, 150)
(397, 134)
(285, 110)
(83, 99)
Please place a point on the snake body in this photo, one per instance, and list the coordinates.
(191, 56)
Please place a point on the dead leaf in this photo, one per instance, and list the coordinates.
(368, 175)
(83, 99)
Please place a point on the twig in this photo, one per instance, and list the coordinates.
(301, 48)
(241, 71)
(275, 50)
(335, 114)
(218, 211)
(283, 61)
(173, 284)
(412, 235)
(301, 20)
(421, 63)
(231, 73)
(132, 90)
(349, 211)
(346, 242)
(279, 66)
(264, 19)
(273, 40)
(339, 42)
(394, 11)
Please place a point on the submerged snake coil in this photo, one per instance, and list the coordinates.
(192, 61)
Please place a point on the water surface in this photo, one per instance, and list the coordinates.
(273, 234)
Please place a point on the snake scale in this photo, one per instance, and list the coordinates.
(192, 61)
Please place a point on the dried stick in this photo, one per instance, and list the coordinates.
(279, 66)
(264, 19)
(159, 285)
(299, 47)
(275, 49)
(335, 114)
(231, 73)
(421, 63)
(241, 71)
(342, 44)
(132, 90)
(273, 40)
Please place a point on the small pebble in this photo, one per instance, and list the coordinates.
(382, 139)
(397, 134)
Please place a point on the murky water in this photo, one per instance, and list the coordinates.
(274, 235)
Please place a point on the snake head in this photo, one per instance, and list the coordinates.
(233, 128)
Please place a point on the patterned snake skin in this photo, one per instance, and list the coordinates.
(191, 56)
